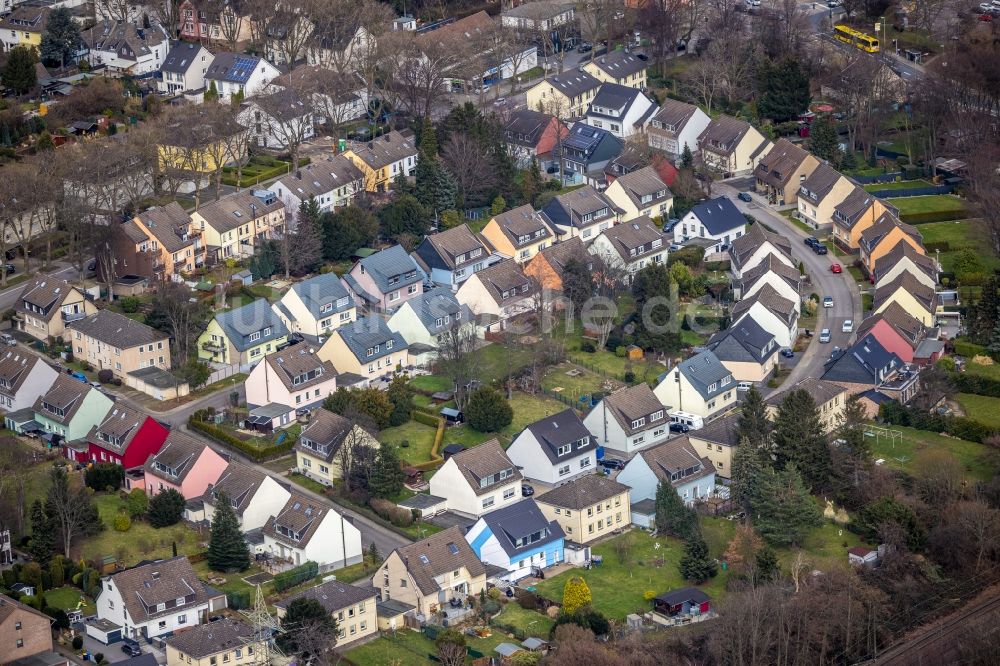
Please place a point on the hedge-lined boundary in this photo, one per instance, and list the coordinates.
(930, 216)
(434, 421)
(294, 576)
(252, 452)
(961, 427)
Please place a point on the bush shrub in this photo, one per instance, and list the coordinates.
(105, 376)
(926, 217)
(968, 349)
(77, 642)
(942, 246)
(102, 476)
(629, 377)
(588, 347)
(239, 599)
(223, 437)
(620, 351)
(425, 418)
(129, 304)
(294, 576)
(122, 522)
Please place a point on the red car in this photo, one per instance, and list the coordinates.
(986, 18)
(835, 268)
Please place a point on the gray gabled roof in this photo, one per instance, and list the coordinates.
(116, 330)
(240, 323)
(865, 362)
(561, 429)
(745, 342)
(182, 56)
(620, 63)
(583, 491)
(616, 99)
(388, 264)
(787, 311)
(573, 83)
(370, 333)
(703, 370)
(520, 520)
(436, 304)
(321, 291)
(233, 67)
(719, 215)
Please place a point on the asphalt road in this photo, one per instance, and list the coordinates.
(843, 289)
(9, 295)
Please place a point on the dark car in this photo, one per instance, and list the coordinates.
(9, 269)
(131, 648)
(679, 427)
(812, 241)
(611, 463)
(819, 248)
(787, 353)
(744, 196)
(526, 490)
(584, 48)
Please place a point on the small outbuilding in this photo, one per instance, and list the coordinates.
(452, 416)
(860, 556)
(684, 601)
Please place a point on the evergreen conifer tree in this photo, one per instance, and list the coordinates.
(387, 476)
(696, 566)
(687, 159)
(798, 438)
(43, 536)
(672, 516)
(227, 548)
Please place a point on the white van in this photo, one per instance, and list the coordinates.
(692, 421)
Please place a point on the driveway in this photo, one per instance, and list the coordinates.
(843, 289)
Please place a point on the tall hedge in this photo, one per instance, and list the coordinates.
(252, 452)
(962, 427)
(292, 577)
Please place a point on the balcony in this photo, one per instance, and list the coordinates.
(72, 316)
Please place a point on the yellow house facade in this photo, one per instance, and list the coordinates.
(564, 95)
(232, 226)
(519, 233)
(383, 159)
(854, 215)
(24, 27)
(717, 441)
(318, 449)
(587, 508)
(830, 399)
(47, 304)
(243, 335)
(619, 67)
(228, 642)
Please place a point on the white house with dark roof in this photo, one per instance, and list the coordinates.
(332, 183)
(296, 377)
(774, 313)
(478, 480)
(584, 212)
(628, 420)
(277, 119)
(773, 271)
(24, 378)
(631, 246)
(239, 74)
(641, 193)
(555, 449)
(699, 385)
(316, 307)
(366, 350)
(620, 67)
(583, 154)
(676, 462)
(353, 607)
(714, 224)
(124, 48)
(383, 281)
(756, 246)
(450, 257)
(622, 110)
(676, 125)
(745, 349)
(305, 530)
(498, 294)
(184, 69)
(427, 322)
(254, 496)
(519, 539)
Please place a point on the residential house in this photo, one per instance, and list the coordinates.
(547, 267)
(430, 573)
(619, 67)
(429, 321)
(212, 23)
(184, 69)
(700, 385)
(306, 530)
(635, 157)
(882, 237)
(641, 193)
(755, 247)
(295, 377)
(774, 313)
(332, 183)
(385, 280)
(745, 349)
(152, 599)
(449, 257)
(622, 110)
(24, 631)
(916, 298)
(582, 155)
(587, 508)
(905, 259)
(24, 378)
(675, 126)
(565, 95)
(125, 436)
(584, 212)
(198, 151)
(242, 336)
(819, 195)
(780, 173)
(853, 216)
(318, 451)
(478, 480)
(532, 135)
(352, 607)
(232, 226)
(383, 159)
(254, 496)
(717, 442)
(228, 640)
(519, 539)
(24, 26)
(69, 409)
(715, 224)
(499, 294)
(111, 341)
(628, 420)
(46, 304)
(555, 449)
(183, 463)
(126, 49)
(631, 246)
(830, 399)
(239, 74)
(341, 48)
(368, 350)
(674, 461)
(316, 307)
(785, 279)
(337, 97)
(896, 329)
(159, 244)
(731, 146)
(519, 233)
(868, 366)
(542, 16)
(277, 120)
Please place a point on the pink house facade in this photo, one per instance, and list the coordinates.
(382, 282)
(185, 464)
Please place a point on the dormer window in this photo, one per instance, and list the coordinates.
(388, 344)
(638, 423)
(726, 380)
(326, 307)
(713, 386)
(656, 416)
(564, 449)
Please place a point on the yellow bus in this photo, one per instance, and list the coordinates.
(856, 38)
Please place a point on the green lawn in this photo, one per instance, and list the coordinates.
(979, 461)
(234, 581)
(991, 371)
(432, 383)
(897, 185)
(403, 648)
(928, 204)
(527, 409)
(141, 542)
(420, 439)
(981, 408)
(306, 482)
(582, 383)
(959, 235)
(68, 598)
(618, 588)
(530, 622)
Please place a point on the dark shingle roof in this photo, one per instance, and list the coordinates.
(204, 640)
(820, 391)
(787, 311)
(559, 254)
(518, 520)
(620, 63)
(170, 225)
(723, 134)
(147, 585)
(483, 461)
(251, 318)
(743, 342)
(123, 38)
(568, 209)
(323, 290)
(15, 366)
(333, 595)
(66, 394)
(847, 213)
(673, 113)
(44, 292)
(720, 431)
(875, 234)
(901, 251)
(176, 457)
(438, 554)
(631, 404)
(781, 163)
(639, 235)
(865, 362)
(299, 362)
(239, 482)
(392, 262)
(613, 99)
(506, 277)
(441, 249)
(181, 56)
(387, 149)
(819, 183)
(118, 429)
(322, 177)
(644, 181)
(368, 333)
(925, 295)
(573, 83)
(297, 521)
(526, 126)
(232, 67)
(676, 455)
(771, 264)
(238, 209)
(703, 370)
(744, 247)
(116, 330)
(327, 430)
(522, 226)
(562, 429)
(583, 492)
(905, 324)
(435, 306)
(719, 215)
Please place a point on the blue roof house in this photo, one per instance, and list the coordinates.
(385, 280)
(518, 538)
(316, 307)
(712, 224)
(366, 350)
(243, 336)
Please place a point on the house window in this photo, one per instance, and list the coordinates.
(564, 449)
(182, 619)
(508, 493)
(20, 642)
(585, 462)
(638, 423)
(488, 502)
(564, 470)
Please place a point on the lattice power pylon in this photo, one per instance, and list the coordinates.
(265, 628)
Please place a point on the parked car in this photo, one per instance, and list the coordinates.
(611, 463)
(828, 302)
(787, 353)
(835, 268)
(824, 335)
(79, 376)
(674, 247)
(679, 427)
(744, 386)
(848, 326)
(526, 490)
(819, 248)
(96, 385)
(744, 196)
(585, 47)
(131, 647)
(8, 340)
(812, 241)
(9, 269)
